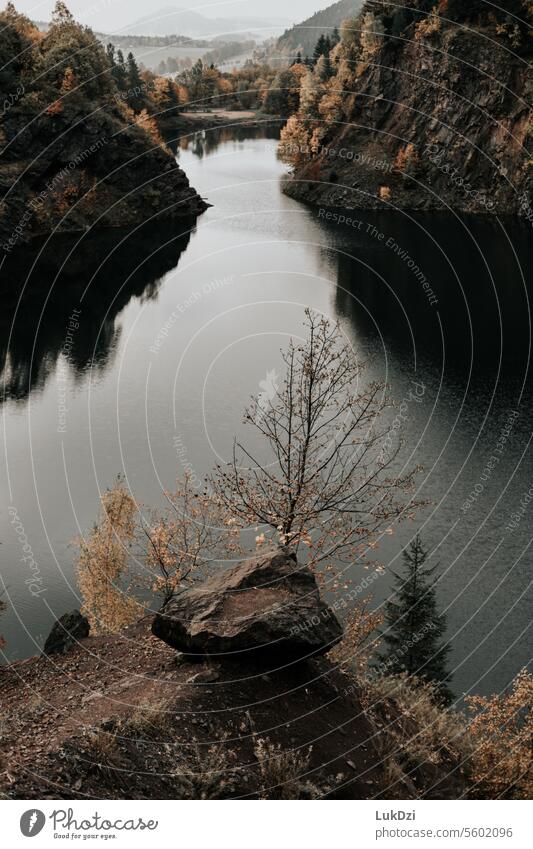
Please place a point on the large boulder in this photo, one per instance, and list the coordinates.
(70, 628)
(268, 605)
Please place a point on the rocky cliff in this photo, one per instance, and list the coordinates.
(73, 152)
(429, 111)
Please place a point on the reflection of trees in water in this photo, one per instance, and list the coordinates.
(477, 274)
(99, 278)
(204, 142)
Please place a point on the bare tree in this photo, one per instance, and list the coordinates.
(328, 484)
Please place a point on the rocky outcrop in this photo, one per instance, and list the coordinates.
(73, 153)
(431, 116)
(265, 606)
(67, 631)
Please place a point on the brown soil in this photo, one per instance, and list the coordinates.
(71, 728)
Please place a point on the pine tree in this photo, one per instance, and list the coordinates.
(110, 53)
(415, 627)
(119, 72)
(135, 84)
(320, 48)
(134, 78)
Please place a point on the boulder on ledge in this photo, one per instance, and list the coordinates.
(267, 605)
(70, 628)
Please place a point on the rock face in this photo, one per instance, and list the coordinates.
(70, 628)
(266, 606)
(435, 115)
(74, 157)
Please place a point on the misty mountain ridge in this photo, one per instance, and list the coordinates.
(172, 19)
(303, 36)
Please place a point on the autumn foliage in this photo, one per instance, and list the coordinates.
(134, 553)
(502, 733)
(104, 577)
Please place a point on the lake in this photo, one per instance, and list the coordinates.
(136, 352)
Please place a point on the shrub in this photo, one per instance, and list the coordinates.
(103, 573)
(357, 645)
(502, 733)
(428, 26)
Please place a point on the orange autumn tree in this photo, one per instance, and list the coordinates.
(104, 577)
(502, 735)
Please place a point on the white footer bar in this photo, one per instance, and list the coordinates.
(267, 825)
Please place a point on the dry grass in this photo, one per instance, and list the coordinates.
(103, 752)
(151, 717)
(206, 772)
(282, 771)
(424, 748)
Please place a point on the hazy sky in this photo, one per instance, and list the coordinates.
(114, 14)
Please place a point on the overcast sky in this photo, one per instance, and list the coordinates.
(114, 14)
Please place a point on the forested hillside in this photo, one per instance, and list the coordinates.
(78, 147)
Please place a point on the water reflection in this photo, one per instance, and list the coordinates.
(96, 276)
(449, 290)
(204, 142)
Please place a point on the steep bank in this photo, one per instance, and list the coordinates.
(96, 724)
(239, 687)
(74, 154)
(427, 112)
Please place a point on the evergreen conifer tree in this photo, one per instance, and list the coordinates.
(319, 50)
(119, 71)
(134, 78)
(415, 627)
(135, 83)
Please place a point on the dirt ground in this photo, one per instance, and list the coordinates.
(125, 716)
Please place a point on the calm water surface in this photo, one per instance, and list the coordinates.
(177, 330)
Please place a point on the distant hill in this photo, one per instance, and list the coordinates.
(304, 36)
(171, 19)
(144, 40)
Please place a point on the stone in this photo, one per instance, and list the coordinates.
(268, 605)
(205, 676)
(66, 632)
